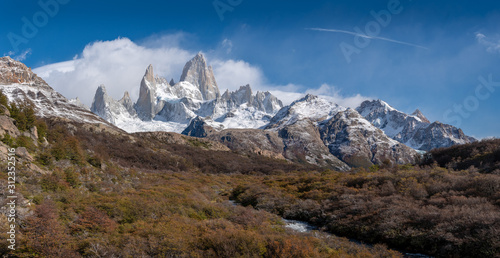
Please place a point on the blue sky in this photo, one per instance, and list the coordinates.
(429, 55)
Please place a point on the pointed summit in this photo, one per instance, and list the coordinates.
(172, 82)
(419, 114)
(200, 75)
(100, 102)
(146, 103)
(149, 75)
(127, 103)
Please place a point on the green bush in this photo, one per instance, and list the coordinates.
(7, 139)
(27, 142)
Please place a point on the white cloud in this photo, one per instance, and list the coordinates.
(23, 55)
(333, 94)
(120, 64)
(228, 45)
(491, 46)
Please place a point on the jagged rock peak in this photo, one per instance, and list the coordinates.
(375, 104)
(420, 115)
(12, 71)
(172, 82)
(126, 101)
(101, 99)
(145, 105)
(149, 75)
(200, 75)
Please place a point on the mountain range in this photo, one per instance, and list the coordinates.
(311, 129)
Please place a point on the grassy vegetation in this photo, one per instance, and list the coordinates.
(430, 210)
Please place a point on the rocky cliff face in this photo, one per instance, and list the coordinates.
(170, 106)
(145, 106)
(354, 140)
(22, 86)
(414, 130)
(312, 130)
(346, 134)
(200, 75)
(110, 109)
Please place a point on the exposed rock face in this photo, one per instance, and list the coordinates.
(7, 126)
(267, 102)
(23, 153)
(128, 104)
(108, 108)
(198, 128)
(255, 141)
(262, 101)
(419, 114)
(21, 85)
(77, 102)
(200, 75)
(303, 142)
(343, 132)
(12, 71)
(355, 141)
(146, 103)
(439, 135)
(413, 130)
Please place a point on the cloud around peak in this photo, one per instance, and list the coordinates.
(120, 64)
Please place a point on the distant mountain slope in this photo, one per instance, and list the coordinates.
(414, 130)
(483, 155)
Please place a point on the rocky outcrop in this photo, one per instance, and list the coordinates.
(128, 104)
(108, 108)
(7, 126)
(145, 105)
(198, 128)
(77, 102)
(420, 115)
(12, 71)
(303, 143)
(267, 102)
(413, 130)
(22, 86)
(255, 141)
(439, 135)
(358, 143)
(200, 75)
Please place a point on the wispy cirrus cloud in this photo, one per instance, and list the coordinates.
(491, 46)
(367, 36)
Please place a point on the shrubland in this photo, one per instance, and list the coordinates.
(105, 193)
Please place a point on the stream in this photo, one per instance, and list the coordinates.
(304, 227)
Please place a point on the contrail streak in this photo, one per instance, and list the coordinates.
(366, 36)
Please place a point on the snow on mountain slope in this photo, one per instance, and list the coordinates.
(311, 107)
(22, 86)
(347, 134)
(171, 106)
(413, 130)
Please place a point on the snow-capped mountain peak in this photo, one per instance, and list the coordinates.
(199, 74)
(310, 106)
(21, 85)
(413, 130)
